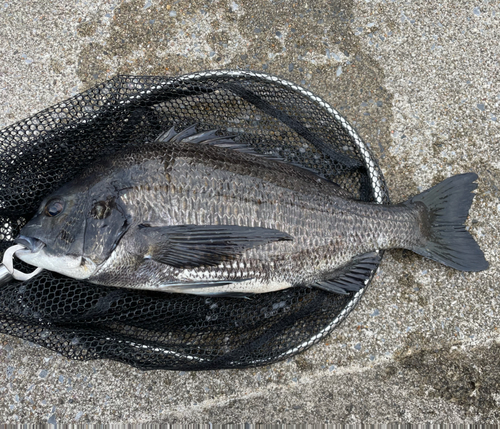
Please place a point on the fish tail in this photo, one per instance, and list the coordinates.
(443, 211)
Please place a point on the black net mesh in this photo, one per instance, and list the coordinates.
(154, 330)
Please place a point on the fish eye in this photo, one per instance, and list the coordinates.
(54, 207)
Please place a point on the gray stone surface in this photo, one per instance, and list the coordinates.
(418, 80)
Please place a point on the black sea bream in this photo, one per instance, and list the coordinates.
(201, 214)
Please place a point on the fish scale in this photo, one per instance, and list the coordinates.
(197, 213)
(317, 222)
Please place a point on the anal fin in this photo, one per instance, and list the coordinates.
(351, 277)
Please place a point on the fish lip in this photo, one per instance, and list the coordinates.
(31, 243)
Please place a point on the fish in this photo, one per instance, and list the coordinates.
(200, 213)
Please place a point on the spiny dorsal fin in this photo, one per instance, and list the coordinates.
(189, 135)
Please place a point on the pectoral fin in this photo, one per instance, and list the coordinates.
(191, 246)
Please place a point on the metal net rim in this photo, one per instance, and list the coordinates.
(372, 169)
(374, 172)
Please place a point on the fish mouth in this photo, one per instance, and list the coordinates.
(31, 243)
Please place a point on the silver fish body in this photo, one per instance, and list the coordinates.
(197, 213)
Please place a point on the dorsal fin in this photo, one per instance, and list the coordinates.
(189, 135)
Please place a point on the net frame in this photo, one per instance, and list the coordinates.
(11, 322)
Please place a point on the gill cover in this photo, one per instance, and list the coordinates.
(106, 223)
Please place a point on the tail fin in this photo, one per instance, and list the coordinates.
(446, 239)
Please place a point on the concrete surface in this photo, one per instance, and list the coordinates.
(419, 80)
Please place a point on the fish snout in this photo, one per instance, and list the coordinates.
(31, 243)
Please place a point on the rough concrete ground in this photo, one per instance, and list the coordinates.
(418, 80)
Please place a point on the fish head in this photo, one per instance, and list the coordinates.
(74, 231)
